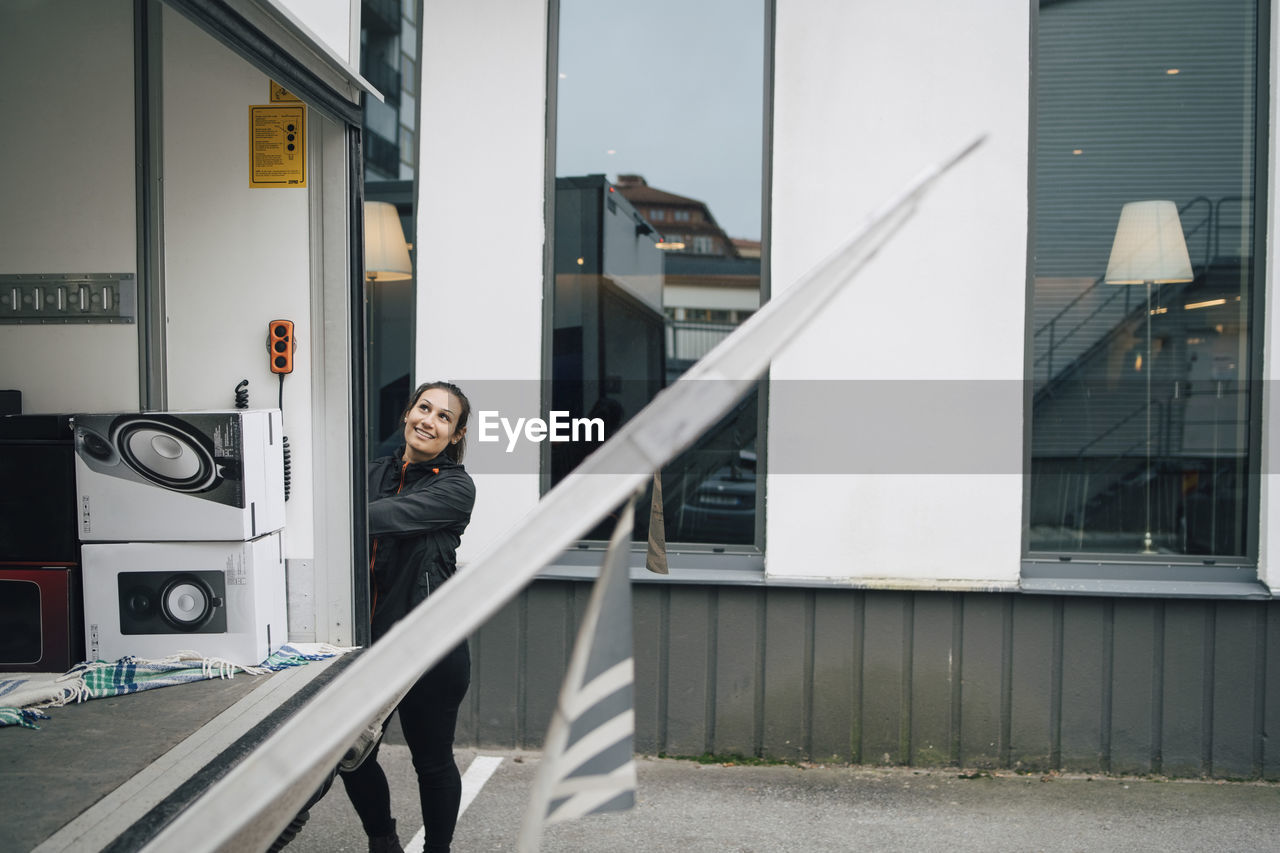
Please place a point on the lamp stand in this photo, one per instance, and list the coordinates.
(1149, 248)
(1147, 541)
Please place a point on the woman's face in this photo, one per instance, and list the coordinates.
(430, 425)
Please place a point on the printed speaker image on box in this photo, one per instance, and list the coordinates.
(153, 599)
(179, 476)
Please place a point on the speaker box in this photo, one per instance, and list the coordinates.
(179, 476)
(38, 498)
(153, 599)
(40, 627)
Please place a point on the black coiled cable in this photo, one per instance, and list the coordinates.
(242, 402)
(288, 460)
(288, 466)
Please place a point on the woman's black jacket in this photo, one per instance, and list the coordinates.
(417, 512)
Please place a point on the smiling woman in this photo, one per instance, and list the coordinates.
(431, 425)
(420, 502)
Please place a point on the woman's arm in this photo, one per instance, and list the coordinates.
(442, 502)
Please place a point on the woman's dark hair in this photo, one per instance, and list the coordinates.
(453, 451)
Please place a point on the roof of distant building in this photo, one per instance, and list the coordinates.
(636, 189)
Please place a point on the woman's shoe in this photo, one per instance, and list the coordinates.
(386, 843)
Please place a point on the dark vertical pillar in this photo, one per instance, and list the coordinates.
(835, 669)
(1186, 668)
(650, 638)
(981, 674)
(1236, 689)
(550, 628)
(689, 673)
(785, 718)
(1031, 734)
(496, 684)
(739, 648)
(1083, 652)
(1271, 694)
(883, 663)
(1132, 686)
(933, 670)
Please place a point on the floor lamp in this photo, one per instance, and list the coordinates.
(1149, 249)
(386, 254)
(386, 258)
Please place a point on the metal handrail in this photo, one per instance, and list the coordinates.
(694, 335)
(1141, 408)
(1165, 407)
(1052, 324)
(1217, 218)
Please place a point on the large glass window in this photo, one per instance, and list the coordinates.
(389, 46)
(628, 147)
(1146, 277)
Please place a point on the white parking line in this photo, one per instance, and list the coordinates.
(481, 768)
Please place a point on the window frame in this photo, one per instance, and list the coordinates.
(1189, 575)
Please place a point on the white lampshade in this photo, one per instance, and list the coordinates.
(1149, 246)
(386, 255)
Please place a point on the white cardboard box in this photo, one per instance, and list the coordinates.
(179, 476)
(153, 599)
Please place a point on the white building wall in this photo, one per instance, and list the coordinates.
(939, 315)
(866, 95)
(481, 231)
(235, 257)
(67, 184)
(945, 302)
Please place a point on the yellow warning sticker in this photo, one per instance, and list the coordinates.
(277, 146)
(280, 93)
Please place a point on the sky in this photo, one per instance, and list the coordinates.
(673, 91)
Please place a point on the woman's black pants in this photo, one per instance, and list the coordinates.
(428, 715)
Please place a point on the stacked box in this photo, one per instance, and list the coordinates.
(179, 518)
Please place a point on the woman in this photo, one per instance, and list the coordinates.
(419, 503)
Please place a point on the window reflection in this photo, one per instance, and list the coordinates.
(1141, 434)
(388, 59)
(657, 234)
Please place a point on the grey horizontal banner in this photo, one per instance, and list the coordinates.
(970, 427)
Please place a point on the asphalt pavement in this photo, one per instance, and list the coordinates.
(689, 807)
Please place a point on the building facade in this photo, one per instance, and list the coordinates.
(1008, 502)
(962, 554)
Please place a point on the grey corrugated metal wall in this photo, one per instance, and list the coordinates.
(978, 680)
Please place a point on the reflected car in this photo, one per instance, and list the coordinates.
(723, 506)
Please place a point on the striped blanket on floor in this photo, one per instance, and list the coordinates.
(22, 700)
